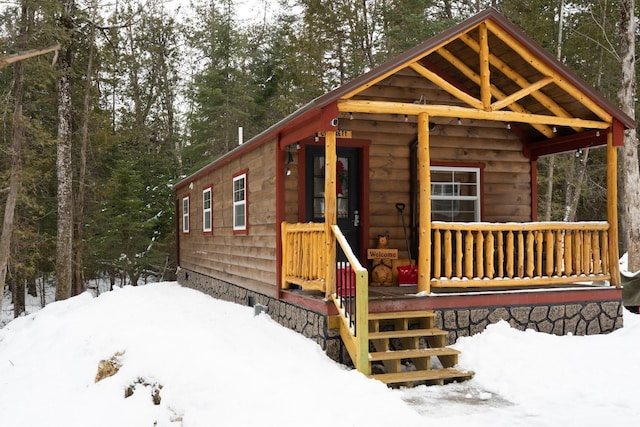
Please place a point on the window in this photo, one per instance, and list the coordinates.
(240, 203)
(455, 194)
(207, 217)
(185, 214)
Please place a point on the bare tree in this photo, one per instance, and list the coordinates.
(629, 201)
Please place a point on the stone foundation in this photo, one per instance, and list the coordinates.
(311, 324)
(576, 319)
(589, 318)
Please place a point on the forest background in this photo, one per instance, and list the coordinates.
(136, 95)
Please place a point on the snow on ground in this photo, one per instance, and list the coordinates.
(218, 364)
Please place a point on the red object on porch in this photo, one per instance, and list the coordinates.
(407, 275)
(345, 280)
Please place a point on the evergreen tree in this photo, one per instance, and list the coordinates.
(219, 93)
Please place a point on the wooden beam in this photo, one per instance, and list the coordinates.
(26, 55)
(385, 107)
(307, 125)
(504, 102)
(330, 215)
(547, 70)
(485, 72)
(612, 205)
(518, 79)
(411, 59)
(496, 92)
(424, 200)
(563, 144)
(445, 85)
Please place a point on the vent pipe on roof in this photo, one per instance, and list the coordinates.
(240, 141)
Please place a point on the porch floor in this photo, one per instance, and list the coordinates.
(401, 298)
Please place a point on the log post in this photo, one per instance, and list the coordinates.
(330, 218)
(612, 211)
(424, 174)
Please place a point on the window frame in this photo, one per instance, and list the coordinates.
(186, 214)
(207, 212)
(240, 204)
(477, 199)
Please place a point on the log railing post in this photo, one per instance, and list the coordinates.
(330, 214)
(612, 204)
(424, 173)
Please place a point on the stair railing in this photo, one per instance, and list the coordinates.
(352, 300)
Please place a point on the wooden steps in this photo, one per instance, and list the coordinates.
(411, 354)
(409, 333)
(404, 344)
(435, 376)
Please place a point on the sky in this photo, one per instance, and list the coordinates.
(215, 363)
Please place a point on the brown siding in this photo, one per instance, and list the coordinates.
(245, 260)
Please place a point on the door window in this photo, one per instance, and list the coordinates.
(342, 187)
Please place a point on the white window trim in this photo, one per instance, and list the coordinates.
(207, 212)
(185, 214)
(456, 186)
(241, 203)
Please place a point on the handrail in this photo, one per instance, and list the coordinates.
(501, 254)
(352, 300)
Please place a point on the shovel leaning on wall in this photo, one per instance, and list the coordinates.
(407, 274)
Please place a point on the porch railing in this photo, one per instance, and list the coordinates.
(304, 255)
(519, 254)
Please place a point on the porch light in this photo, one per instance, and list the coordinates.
(459, 121)
(350, 116)
(406, 118)
(508, 126)
(287, 171)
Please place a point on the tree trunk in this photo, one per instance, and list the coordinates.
(576, 185)
(551, 162)
(17, 294)
(630, 176)
(32, 289)
(64, 243)
(78, 247)
(15, 176)
(548, 198)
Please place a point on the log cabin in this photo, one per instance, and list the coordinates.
(436, 149)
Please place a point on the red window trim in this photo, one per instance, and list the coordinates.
(245, 230)
(210, 188)
(188, 199)
(480, 166)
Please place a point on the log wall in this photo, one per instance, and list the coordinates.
(247, 260)
(506, 171)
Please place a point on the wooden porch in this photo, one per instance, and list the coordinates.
(465, 256)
